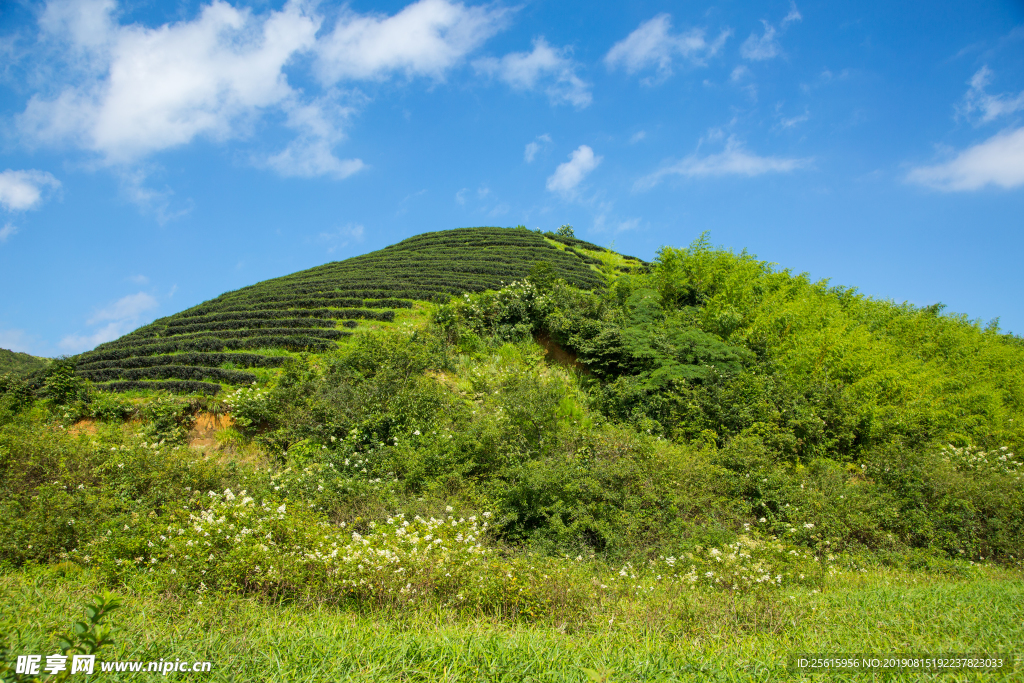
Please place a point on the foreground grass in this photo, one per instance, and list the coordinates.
(882, 611)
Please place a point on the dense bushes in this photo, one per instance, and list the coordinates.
(827, 412)
(61, 490)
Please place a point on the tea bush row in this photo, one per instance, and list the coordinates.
(290, 342)
(249, 324)
(244, 313)
(246, 360)
(173, 386)
(184, 372)
(226, 335)
(298, 311)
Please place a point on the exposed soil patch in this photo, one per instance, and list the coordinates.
(554, 351)
(86, 426)
(205, 428)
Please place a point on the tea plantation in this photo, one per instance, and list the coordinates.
(201, 348)
(601, 470)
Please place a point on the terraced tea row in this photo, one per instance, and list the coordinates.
(304, 311)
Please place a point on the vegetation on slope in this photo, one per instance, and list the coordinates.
(728, 439)
(303, 311)
(17, 363)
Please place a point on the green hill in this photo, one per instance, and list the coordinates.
(18, 363)
(313, 309)
(651, 466)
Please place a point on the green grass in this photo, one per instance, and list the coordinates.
(251, 640)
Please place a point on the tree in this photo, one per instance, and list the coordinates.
(565, 231)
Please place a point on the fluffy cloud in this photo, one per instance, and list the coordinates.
(766, 46)
(570, 174)
(163, 87)
(544, 67)
(998, 161)
(733, 160)
(120, 317)
(22, 190)
(988, 106)
(128, 91)
(425, 39)
(535, 146)
(654, 44)
(7, 231)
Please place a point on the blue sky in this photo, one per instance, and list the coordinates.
(156, 154)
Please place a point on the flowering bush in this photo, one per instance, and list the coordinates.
(973, 459)
(251, 405)
(232, 542)
(510, 314)
(749, 564)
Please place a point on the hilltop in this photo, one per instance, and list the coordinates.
(312, 309)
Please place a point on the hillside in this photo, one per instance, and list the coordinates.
(20, 363)
(701, 459)
(311, 310)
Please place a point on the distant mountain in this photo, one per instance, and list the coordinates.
(20, 363)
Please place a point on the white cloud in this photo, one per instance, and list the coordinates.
(14, 340)
(157, 202)
(530, 152)
(308, 158)
(794, 15)
(78, 343)
(424, 39)
(342, 237)
(138, 279)
(126, 92)
(792, 121)
(637, 136)
(533, 147)
(570, 174)
(733, 160)
(989, 106)
(997, 161)
(653, 44)
(22, 190)
(87, 22)
(766, 46)
(120, 317)
(739, 73)
(7, 231)
(460, 196)
(759, 48)
(126, 308)
(319, 125)
(545, 67)
(162, 87)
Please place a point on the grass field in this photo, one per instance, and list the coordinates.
(712, 637)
